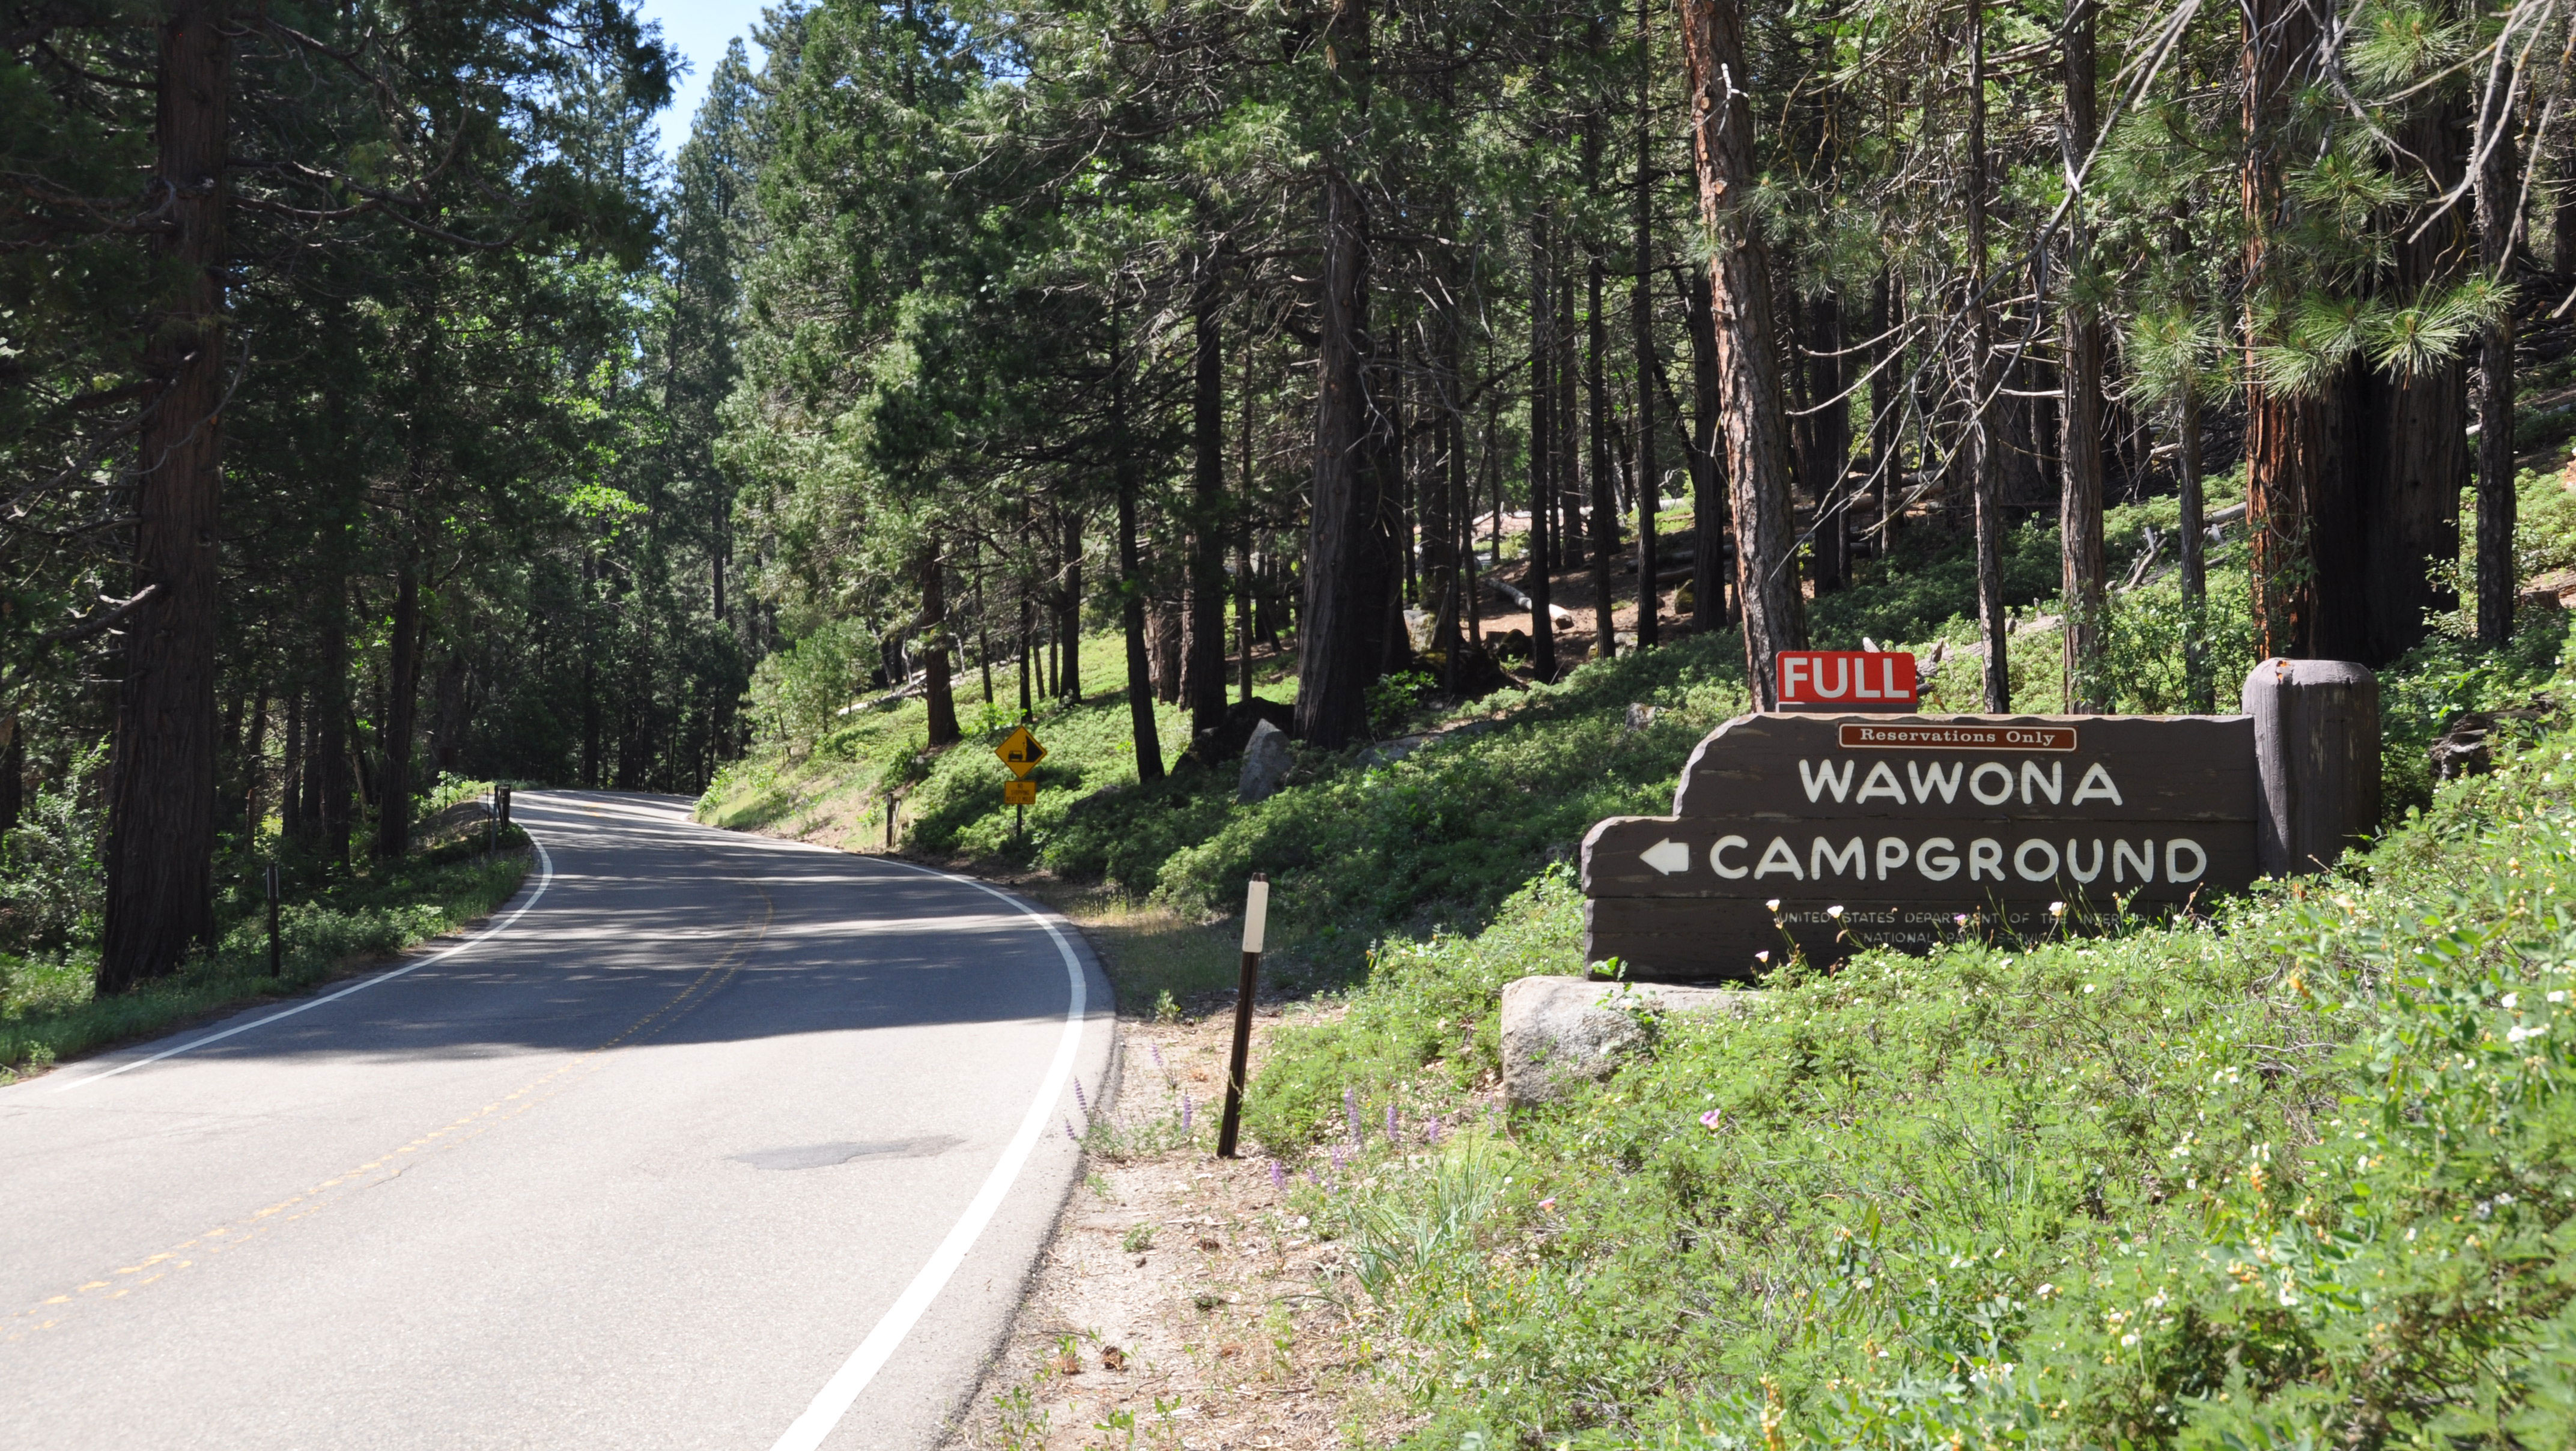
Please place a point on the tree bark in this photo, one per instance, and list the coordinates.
(938, 694)
(161, 809)
(1827, 434)
(2193, 549)
(1243, 580)
(1605, 508)
(1068, 620)
(2079, 501)
(1203, 608)
(2284, 434)
(1709, 526)
(393, 813)
(1748, 363)
(1131, 571)
(1544, 454)
(1641, 329)
(1442, 483)
(1886, 408)
(13, 771)
(1983, 479)
(1340, 646)
(330, 726)
(2499, 219)
(1028, 653)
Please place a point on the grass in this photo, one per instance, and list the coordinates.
(49, 1013)
(2303, 1175)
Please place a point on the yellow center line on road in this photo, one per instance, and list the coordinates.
(384, 1168)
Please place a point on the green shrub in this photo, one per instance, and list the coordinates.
(797, 694)
(48, 1010)
(51, 881)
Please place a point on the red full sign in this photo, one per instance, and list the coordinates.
(1847, 679)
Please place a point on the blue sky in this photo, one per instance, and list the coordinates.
(698, 30)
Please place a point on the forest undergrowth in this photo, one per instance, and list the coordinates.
(327, 925)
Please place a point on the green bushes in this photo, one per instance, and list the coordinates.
(51, 881)
(2303, 1176)
(48, 1011)
(797, 694)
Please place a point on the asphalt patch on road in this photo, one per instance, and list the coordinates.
(824, 1156)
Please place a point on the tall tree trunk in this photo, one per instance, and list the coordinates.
(1441, 485)
(2499, 218)
(1203, 611)
(13, 771)
(161, 805)
(1569, 430)
(1748, 362)
(936, 692)
(2079, 500)
(1828, 434)
(1131, 572)
(298, 805)
(2201, 688)
(1392, 540)
(1341, 629)
(1984, 477)
(1886, 407)
(1605, 507)
(1244, 590)
(330, 727)
(1641, 329)
(393, 813)
(1340, 646)
(1709, 524)
(2285, 440)
(1028, 653)
(1068, 619)
(1544, 454)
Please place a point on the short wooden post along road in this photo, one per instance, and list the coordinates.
(1834, 833)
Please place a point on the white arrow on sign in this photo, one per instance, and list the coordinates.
(1667, 856)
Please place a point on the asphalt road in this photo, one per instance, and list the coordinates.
(712, 1141)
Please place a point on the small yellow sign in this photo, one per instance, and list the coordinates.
(1020, 793)
(1021, 752)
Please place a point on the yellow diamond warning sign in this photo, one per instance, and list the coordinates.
(1021, 752)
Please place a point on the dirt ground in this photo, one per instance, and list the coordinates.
(1182, 1305)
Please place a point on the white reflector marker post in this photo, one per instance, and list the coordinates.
(1256, 921)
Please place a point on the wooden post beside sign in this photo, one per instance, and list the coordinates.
(1842, 832)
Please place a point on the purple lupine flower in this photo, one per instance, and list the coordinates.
(1351, 1111)
(1278, 1176)
(1185, 1115)
(1337, 1162)
(1078, 1098)
(1431, 1130)
(1390, 1123)
(1070, 1134)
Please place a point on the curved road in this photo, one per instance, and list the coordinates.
(710, 1141)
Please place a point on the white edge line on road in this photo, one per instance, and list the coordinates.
(842, 1390)
(545, 878)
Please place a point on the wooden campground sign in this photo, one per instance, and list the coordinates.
(1835, 833)
(1897, 831)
